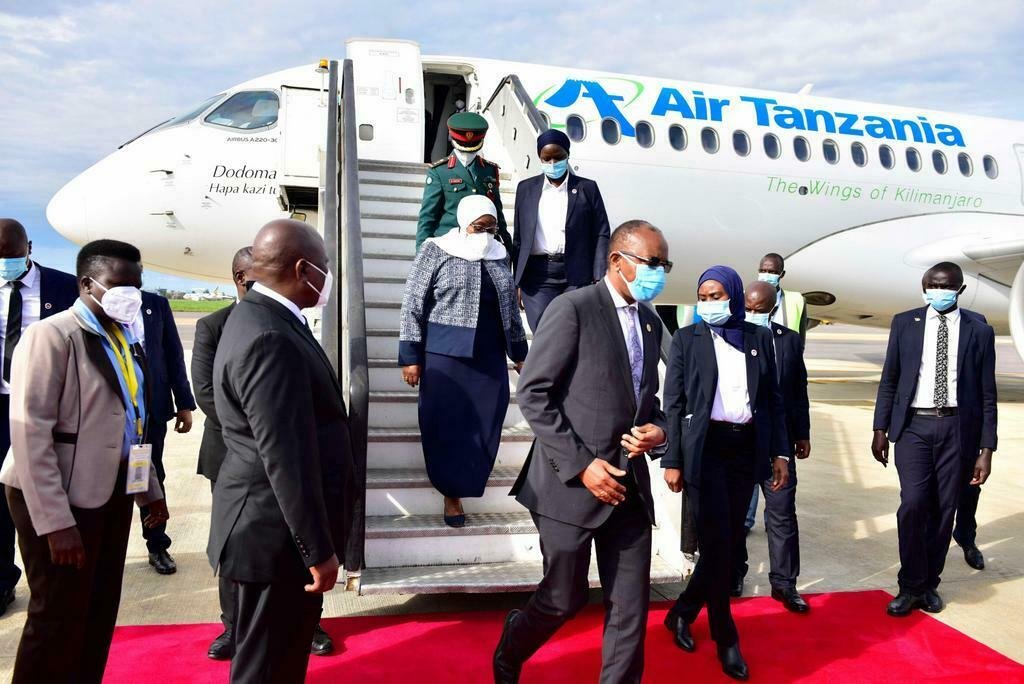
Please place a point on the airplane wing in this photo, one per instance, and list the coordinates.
(1003, 262)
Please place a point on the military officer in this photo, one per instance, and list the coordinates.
(462, 173)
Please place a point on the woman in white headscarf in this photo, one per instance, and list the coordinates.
(460, 325)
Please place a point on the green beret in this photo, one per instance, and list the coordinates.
(467, 121)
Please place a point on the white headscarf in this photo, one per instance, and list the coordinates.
(477, 246)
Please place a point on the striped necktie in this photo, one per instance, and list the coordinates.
(636, 352)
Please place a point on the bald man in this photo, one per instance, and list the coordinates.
(28, 293)
(280, 501)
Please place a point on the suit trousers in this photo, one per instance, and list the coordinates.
(623, 545)
(227, 592)
(930, 467)
(727, 478)
(9, 572)
(71, 612)
(965, 531)
(783, 534)
(542, 281)
(273, 627)
(156, 538)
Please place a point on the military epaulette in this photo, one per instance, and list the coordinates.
(488, 162)
(439, 162)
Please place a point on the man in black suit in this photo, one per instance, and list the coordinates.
(280, 503)
(727, 430)
(780, 506)
(589, 391)
(28, 293)
(171, 397)
(937, 403)
(212, 450)
(560, 238)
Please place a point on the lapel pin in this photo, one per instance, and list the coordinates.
(916, 319)
(778, 332)
(753, 352)
(574, 190)
(649, 327)
(149, 312)
(47, 305)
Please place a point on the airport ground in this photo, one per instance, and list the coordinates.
(846, 505)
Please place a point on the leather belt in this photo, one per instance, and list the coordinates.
(731, 427)
(938, 412)
(548, 257)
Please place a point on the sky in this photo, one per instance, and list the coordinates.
(77, 79)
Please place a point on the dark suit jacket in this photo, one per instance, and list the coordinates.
(204, 349)
(789, 359)
(586, 229)
(279, 506)
(167, 374)
(57, 291)
(576, 391)
(975, 378)
(690, 383)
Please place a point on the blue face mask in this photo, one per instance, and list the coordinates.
(941, 300)
(764, 319)
(555, 170)
(13, 267)
(770, 278)
(714, 313)
(648, 283)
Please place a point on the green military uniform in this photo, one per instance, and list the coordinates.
(448, 181)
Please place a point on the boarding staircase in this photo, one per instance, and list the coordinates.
(407, 547)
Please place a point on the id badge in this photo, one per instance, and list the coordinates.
(140, 458)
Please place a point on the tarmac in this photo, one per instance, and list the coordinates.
(846, 507)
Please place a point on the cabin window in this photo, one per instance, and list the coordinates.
(741, 143)
(366, 132)
(644, 134)
(939, 161)
(859, 154)
(801, 148)
(964, 160)
(772, 146)
(610, 131)
(546, 119)
(575, 127)
(709, 140)
(830, 149)
(886, 156)
(247, 110)
(913, 159)
(677, 137)
(991, 168)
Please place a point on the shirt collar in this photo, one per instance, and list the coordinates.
(287, 303)
(617, 299)
(466, 158)
(551, 187)
(953, 316)
(93, 324)
(30, 277)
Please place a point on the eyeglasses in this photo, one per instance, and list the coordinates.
(653, 262)
(490, 228)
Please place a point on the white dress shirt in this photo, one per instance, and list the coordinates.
(925, 397)
(291, 306)
(628, 315)
(732, 396)
(552, 211)
(30, 303)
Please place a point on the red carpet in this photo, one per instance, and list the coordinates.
(847, 638)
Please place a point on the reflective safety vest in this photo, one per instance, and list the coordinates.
(794, 302)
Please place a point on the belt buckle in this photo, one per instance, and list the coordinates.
(944, 412)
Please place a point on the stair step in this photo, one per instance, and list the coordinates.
(407, 491)
(517, 433)
(426, 540)
(385, 287)
(409, 478)
(367, 197)
(386, 268)
(384, 166)
(408, 452)
(385, 375)
(408, 188)
(390, 245)
(410, 396)
(481, 578)
(400, 409)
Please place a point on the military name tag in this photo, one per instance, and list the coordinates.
(140, 459)
(455, 181)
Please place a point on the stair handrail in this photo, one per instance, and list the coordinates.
(354, 356)
(509, 99)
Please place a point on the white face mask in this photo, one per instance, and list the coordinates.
(323, 293)
(478, 243)
(120, 303)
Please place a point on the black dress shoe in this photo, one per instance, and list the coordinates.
(6, 599)
(163, 563)
(322, 644)
(222, 647)
(932, 602)
(792, 599)
(733, 663)
(972, 554)
(904, 603)
(505, 670)
(680, 632)
(737, 588)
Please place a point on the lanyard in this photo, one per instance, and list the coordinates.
(123, 354)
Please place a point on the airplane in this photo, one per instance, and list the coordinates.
(859, 197)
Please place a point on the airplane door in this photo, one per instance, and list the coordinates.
(304, 112)
(1019, 149)
(389, 99)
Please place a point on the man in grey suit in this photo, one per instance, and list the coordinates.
(589, 391)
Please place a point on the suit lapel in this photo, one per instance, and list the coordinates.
(915, 342)
(966, 333)
(98, 356)
(651, 351)
(704, 347)
(610, 318)
(753, 364)
(573, 181)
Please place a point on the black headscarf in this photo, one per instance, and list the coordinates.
(552, 137)
(732, 331)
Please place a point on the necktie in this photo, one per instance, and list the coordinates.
(636, 353)
(942, 363)
(13, 334)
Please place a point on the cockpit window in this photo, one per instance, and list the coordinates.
(247, 110)
(180, 119)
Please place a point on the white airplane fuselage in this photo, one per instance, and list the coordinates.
(190, 195)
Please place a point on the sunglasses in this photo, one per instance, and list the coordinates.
(653, 262)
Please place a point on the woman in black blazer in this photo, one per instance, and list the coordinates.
(560, 238)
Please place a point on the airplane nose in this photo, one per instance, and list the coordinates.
(66, 212)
